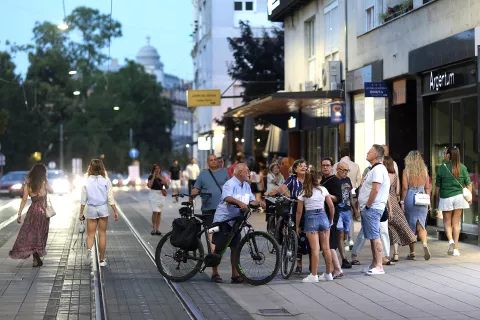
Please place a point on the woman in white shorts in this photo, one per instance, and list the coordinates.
(158, 190)
(97, 195)
(452, 177)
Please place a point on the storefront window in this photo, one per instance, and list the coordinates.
(369, 126)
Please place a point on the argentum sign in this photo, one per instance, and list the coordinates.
(441, 80)
(272, 4)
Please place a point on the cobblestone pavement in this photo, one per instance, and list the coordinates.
(443, 288)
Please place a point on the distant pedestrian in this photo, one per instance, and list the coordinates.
(452, 177)
(97, 195)
(238, 159)
(372, 200)
(221, 163)
(158, 185)
(398, 229)
(33, 235)
(285, 168)
(192, 171)
(175, 174)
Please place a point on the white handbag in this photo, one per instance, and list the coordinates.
(81, 227)
(49, 211)
(422, 199)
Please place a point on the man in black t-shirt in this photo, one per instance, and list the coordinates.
(334, 188)
(175, 177)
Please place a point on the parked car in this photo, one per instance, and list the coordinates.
(59, 182)
(11, 184)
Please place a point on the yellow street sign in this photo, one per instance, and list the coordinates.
(200, 98)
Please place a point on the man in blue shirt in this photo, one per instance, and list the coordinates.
(235, 192)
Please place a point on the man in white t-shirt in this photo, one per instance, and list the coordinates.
(192, 173)
(372, 201)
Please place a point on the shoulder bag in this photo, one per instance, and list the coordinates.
(49, 211)
(467, 195)
(421, 199)
(213, 177)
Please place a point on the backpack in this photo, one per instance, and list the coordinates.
(184, 234)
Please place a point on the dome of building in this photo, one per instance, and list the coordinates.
(148, 56)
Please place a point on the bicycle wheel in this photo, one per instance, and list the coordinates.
(176, 264)
(271, 230)
(288, 254)
(255, 263)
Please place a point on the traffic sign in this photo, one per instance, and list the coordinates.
(2, 159)
(133, 153)
(200, 98)
(52, 165)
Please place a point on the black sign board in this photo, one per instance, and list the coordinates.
(449, 77)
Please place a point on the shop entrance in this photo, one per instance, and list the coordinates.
(322, 142)
(454, 124)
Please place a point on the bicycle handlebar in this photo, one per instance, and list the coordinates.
(182, 195)
(277, 197)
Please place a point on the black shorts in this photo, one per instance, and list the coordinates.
(220, 237)
(211, 213)
(333, 237)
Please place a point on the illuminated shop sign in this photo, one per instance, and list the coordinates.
(441, 80)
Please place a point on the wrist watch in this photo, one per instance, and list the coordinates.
(402, 202)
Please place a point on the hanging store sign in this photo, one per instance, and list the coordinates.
(337, 113)
(441, 80)
(203, 98)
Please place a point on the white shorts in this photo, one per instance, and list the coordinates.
(452, 203)
(96, 212)
(175, 184)
(157, 200)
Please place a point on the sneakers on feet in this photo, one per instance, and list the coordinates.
(346, 264)
(325, 277)
(451, 244)
(347, 248)
(310, 278)
(426, 253)
(88, 259)
(351, 243)
(103, 263)
(456, 253)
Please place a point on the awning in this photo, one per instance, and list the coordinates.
(313, 107)
(285, 103)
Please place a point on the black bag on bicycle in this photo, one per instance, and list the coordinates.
(282, 209)
(184, 234)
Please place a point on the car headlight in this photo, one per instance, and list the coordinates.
(17, 186)
(125, 182)
(138, 181)
(79, 182)
(60, 185)
(115, 181)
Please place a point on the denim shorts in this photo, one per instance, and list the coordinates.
(95, 212)
(316, 220)
(344, 220)
(371, 223)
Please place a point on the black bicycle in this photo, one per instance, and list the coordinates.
(284, 232)
(254, 261)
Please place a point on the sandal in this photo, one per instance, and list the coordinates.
(411, 256)
(388, 263)
(216, 278)
(153, 232)
(395, 257)
(237, 279)
(298, 270)
(158, 233)
(338, 275)
(355, 262)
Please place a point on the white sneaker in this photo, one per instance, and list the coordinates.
(347, 248)
(88, 259)
(351, 243)
(451, 244)
(325, 277)
(310, 278)
(103, 263)
(456, 253)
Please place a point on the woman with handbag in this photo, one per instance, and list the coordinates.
(158, 185)
(97, 195)
(416, 199)
(33, 235)
(455, 190)
(399, 231)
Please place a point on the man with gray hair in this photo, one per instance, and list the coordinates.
(372, 201)
(236, 195)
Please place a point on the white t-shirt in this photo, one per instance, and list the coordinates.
(316, 201)
(378, 174)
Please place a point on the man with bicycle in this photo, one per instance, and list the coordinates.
(236, 195)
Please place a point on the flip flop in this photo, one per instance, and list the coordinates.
(338, 275)
(237, 279)
(388, 263)
(374, 272)
(355, 262)
(216, 278)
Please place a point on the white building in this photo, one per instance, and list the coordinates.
(214, 22)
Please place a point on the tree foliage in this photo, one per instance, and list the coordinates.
(92, 128)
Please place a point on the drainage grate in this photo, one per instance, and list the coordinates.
(274, 312)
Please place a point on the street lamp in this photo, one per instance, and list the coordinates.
(76, 93)
(236, 139)
(188, 145)
(243, 140)
(72, 72)
(116, 108)
(258, 140)
(63, 26)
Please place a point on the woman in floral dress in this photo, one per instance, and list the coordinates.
(32, 238)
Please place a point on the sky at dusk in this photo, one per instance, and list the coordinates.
(167, 22)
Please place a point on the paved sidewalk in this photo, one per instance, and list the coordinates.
(61, 288)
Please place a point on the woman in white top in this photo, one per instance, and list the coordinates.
(97, 194)
(317, 224)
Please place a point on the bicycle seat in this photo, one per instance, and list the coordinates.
(203, 216)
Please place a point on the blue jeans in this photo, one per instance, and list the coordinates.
(316, 220)
(371, 223)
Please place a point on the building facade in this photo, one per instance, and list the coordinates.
(214, 22)
(425, 52)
